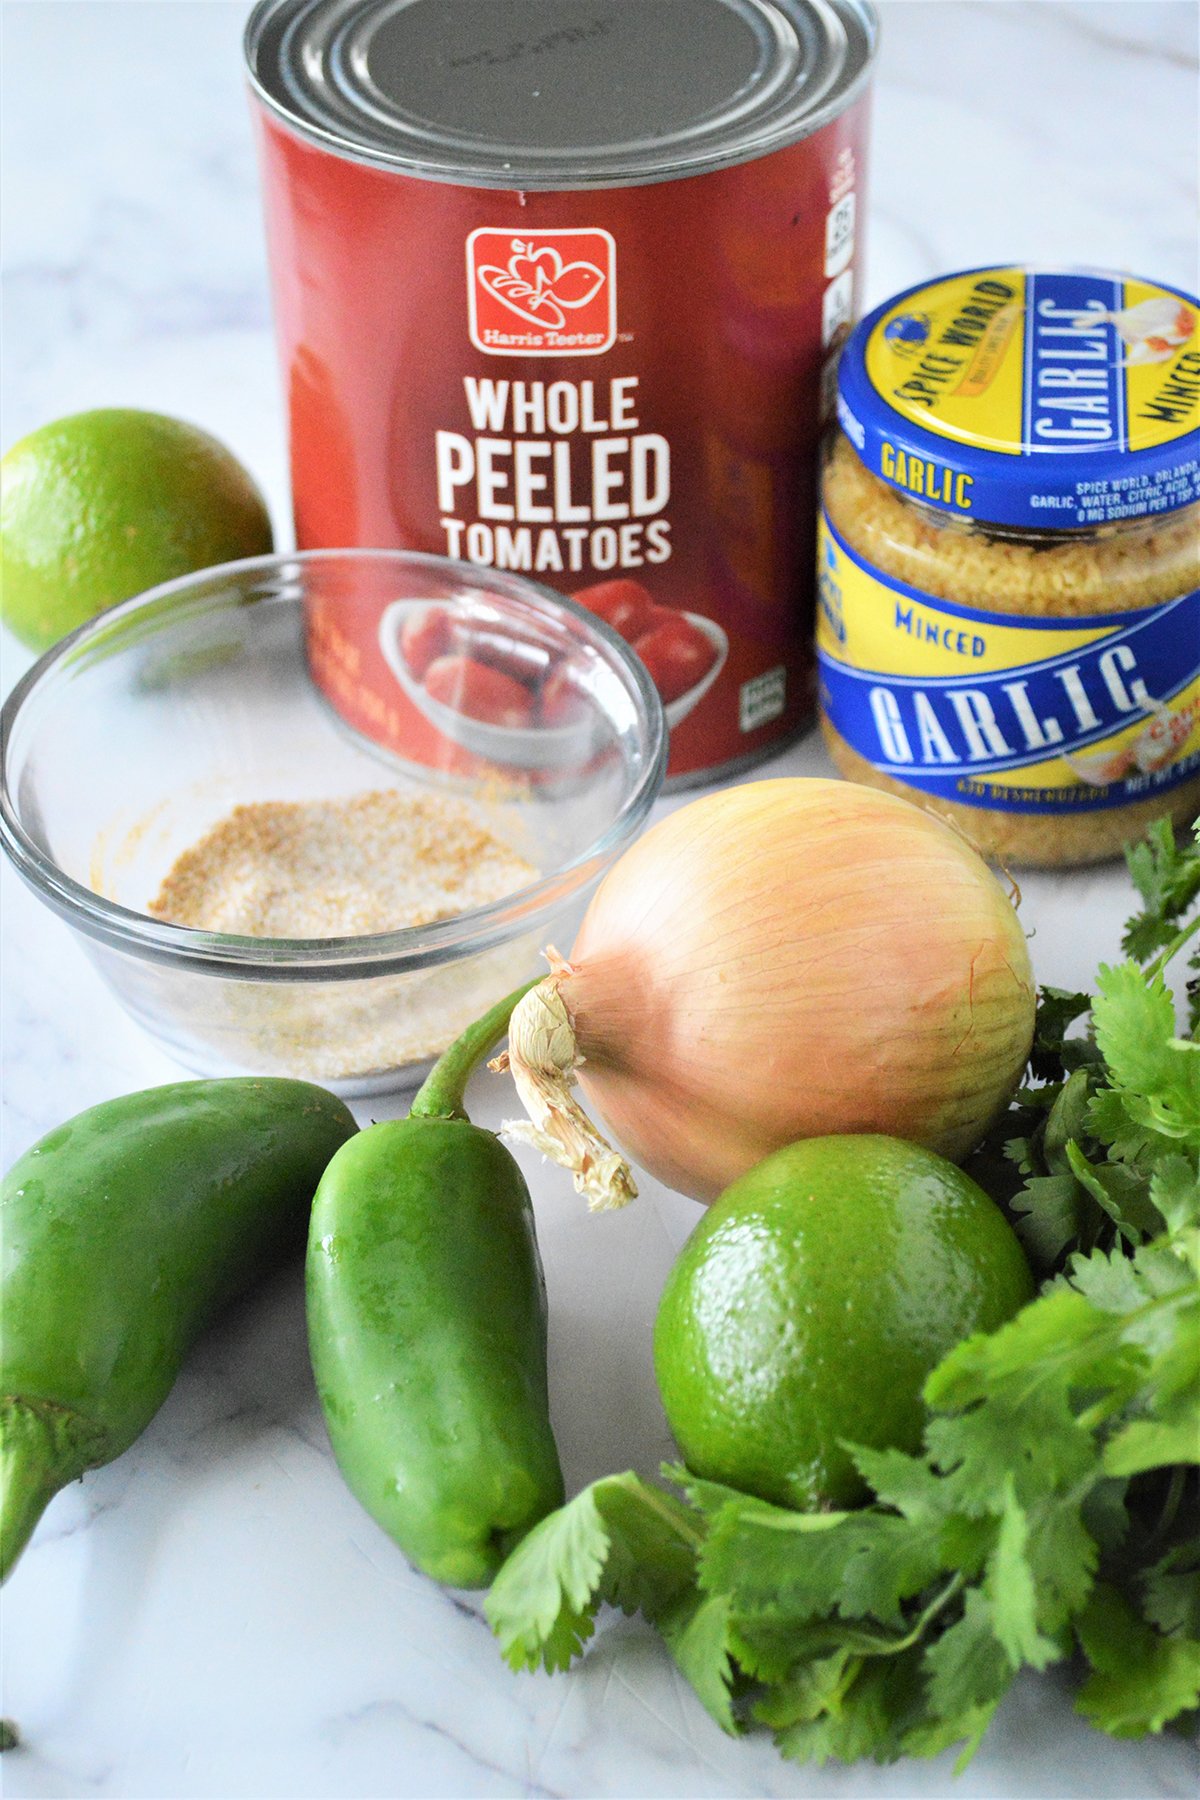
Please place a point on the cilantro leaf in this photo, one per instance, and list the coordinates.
(1063, 1552)
(897, 1557)
(542, 1603)
(932, 1736)
(773, 1560)
(1140, 1679)
(652, 1546)
(1012, 1592)
(1167, 876)
(863, 1713)
(1111, 1281)
(1052, 1216)
(968, 1666)
(1154, 1444)
(1175, 1192)
(1134, 1021)
(696, 1630)
(1171, 1591)
(1123, 1193)
(1057, 1010)
(616, 1541)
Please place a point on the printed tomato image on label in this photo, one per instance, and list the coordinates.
(683, 653)
(994, 710)
(547, 293)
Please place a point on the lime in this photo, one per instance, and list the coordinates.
(102, 505)
(810, 1303)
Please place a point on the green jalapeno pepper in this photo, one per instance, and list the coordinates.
(124, 1233)
(427, 1328)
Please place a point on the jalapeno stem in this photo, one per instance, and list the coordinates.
(440, 1096)
(42, 1447)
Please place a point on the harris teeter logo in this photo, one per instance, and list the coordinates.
(545, 293)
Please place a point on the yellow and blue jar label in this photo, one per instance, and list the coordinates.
(1048, 399)
(1044, 715)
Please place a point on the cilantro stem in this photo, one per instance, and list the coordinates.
(1171, 1504)
(926, 1618)
(1173, 948)
(1103, 1410)
(673, 1514)
(868, 1643)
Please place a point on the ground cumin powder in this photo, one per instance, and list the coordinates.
(358, 866)
(339, 868)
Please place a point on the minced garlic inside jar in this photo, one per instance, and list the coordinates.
(1008, 634)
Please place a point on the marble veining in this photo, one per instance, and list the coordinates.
(213, 1615)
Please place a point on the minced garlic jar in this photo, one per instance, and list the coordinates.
(1009, 576)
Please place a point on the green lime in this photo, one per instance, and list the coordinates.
(102, 505)
(810, 1303)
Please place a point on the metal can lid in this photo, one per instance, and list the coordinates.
(1048, 399)
(558, 94)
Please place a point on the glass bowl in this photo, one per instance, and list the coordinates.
(141, 731)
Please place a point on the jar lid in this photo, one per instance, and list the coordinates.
(1048, 399)
(536, 94)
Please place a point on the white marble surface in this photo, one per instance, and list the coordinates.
(212, 1615)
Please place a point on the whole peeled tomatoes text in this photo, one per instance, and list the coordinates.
(554, 478)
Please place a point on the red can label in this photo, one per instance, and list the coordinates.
(616, 392)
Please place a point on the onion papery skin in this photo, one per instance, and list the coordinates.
(791, 959)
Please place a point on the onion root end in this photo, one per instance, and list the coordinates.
(542, 1058)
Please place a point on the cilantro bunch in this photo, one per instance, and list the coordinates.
(1109, 1108)
(1051, 1515)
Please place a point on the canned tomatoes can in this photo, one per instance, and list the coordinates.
(560, 286)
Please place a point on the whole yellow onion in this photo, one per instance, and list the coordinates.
(780, 960)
